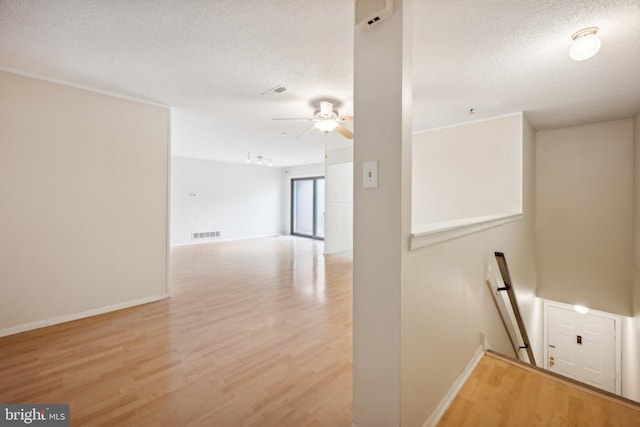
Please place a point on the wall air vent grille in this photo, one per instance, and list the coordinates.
(205, 235)
(371, 12)
(278, 90)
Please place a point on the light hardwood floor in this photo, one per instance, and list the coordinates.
(256, 333)
(502, 393)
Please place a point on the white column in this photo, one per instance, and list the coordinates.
(382, 128)
(635, 377)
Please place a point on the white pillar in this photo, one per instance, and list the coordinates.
(382, 222)
(635, 379)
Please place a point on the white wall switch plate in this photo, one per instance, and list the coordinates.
(370, 174)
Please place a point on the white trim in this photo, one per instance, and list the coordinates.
(455, 125)
(79, 86)
(617, 340)
(448, 399)
(232, 239)
(168, 238)
(88, 313)
(431, 234)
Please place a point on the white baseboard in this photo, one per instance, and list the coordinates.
(218, 240)
(88, 313)
(448, 399)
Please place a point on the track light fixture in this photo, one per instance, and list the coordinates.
(259, 159)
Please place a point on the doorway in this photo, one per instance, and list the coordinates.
(584, 346)
(307, 207)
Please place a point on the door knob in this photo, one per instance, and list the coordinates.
(552, 361)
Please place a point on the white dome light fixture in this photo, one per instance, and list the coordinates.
(326, 126)
(585, 44)
(581, 309)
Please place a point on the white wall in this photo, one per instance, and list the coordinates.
(238, 200)
(303, 209)
(630, 356)
(447, 306)
(339, 155)
(631, 367)
(467, 170)
(339, 201)
(339, 208)
(529, 302)
(585, 215)
(287, 174)
(84, 198)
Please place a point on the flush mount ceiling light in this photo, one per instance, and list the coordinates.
(581, 309)
(585, 44)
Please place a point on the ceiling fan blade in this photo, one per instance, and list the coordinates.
(303, 134)
(345, 119)
(294, 118)
(344, 132)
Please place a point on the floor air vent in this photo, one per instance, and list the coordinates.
(205, 235)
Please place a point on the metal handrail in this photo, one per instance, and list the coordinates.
(508, 288)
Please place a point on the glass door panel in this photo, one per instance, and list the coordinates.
(302, 202)
(307, 207)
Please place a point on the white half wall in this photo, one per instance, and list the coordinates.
(238, 200)
(468, 170)
(584, 196)
(84, 202)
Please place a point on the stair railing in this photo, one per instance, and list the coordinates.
(507, 304)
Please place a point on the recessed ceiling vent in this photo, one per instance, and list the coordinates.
(278, 90)
(371, 12)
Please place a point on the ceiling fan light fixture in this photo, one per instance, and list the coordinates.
(325, 119)
(326, 109)
(585, 44)
(326, 126)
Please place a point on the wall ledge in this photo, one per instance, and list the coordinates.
(430, 234)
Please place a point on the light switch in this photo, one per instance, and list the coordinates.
(370, 174)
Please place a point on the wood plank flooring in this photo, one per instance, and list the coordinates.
(500, 393)
(256, 333)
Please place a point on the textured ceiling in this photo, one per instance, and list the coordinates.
(212, 60)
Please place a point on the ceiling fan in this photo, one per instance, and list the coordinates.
(326, 119)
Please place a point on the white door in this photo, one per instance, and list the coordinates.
(582, 347)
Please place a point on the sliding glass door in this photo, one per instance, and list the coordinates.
(307, 207)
